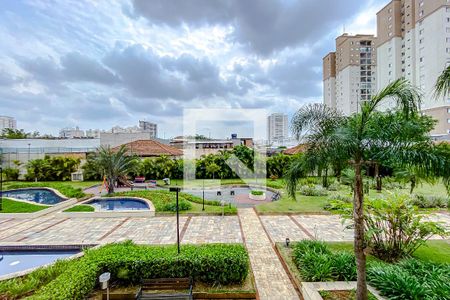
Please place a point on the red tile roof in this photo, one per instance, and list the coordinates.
(294, 150)
(146, 148)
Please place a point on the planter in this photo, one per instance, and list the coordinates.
(257, 197)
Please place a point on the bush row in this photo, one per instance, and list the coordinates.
(129, 264)
(423, 201)
(312, 190)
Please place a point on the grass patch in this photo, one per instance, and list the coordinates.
(165, 201)
(80, 208)
(13, 206)
(308, 204)
(68, 189)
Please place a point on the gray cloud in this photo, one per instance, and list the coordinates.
(146, 74)
(264, 25)
(71, 67)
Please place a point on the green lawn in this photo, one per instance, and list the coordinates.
(303, 204)
(80, 208)
(12, 206)
(67, 188)
(433, 251)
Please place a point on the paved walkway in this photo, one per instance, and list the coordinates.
(272, 281)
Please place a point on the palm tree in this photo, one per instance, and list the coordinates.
(114, 164)
(442, 87)
(362, 139)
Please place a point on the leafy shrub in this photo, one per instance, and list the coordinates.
(11, 174)
(129, 263)
(257, 193)
(394, 229)
(317, 263)
(411, 279)
(423, 201)
(312, 190)
(334, 187)
(338, 202)
(51, 168)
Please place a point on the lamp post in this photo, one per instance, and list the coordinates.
(177, 190)
(203, 176)
(29, 145)
(1, 188)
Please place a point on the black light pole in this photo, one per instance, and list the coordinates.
(177, 190)
(1, 188)
(203, 175)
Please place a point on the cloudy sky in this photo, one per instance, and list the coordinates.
(97, 64)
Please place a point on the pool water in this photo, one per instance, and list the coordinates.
(118, 204)
(15, 261)
(41, 196)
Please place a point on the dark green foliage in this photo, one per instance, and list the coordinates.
(423, 201)
(257, 193)
(11, 174)
(51, 168)
(278, 164)
(317, 263)
(129, 263)
(411, 279)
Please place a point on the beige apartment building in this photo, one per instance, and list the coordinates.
(413, 42)
(349, 74)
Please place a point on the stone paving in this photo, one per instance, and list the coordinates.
(272, 281)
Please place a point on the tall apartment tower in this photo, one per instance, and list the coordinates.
(353, 66)
(414, 43)
(277, 127)
(149, 127)
(329, 79)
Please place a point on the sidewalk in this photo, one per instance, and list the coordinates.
(272, 282)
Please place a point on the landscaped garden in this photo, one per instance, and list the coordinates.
(215, 267)
(13, 206)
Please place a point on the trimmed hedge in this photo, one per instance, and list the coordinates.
(129, 263)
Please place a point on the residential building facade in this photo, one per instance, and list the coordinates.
(277, 127)
(152, 128)
(414, 43)
(350, 73)
(71, 133)
(7, 122)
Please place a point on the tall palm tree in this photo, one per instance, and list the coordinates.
(442, 87)
(362, 139)
(114, 164)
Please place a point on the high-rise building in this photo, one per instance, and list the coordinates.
(71, 133)
(414, 43)
(149, 127)
(277, 127)
(349, 73)
(7, 122)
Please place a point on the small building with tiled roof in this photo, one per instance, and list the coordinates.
(295, 150)
(150, 148)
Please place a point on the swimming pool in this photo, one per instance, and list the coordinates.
(41, 196)
(15, 261)
(118, 204)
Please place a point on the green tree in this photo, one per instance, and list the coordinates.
(9, 133)
(212, 169)
(442, 87)
(400, 135)
(114, 164)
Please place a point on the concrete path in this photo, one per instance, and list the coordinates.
(272, 281)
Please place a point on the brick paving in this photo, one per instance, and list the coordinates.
(272, 281)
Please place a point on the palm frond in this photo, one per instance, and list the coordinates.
(406, 96)
(442, 87)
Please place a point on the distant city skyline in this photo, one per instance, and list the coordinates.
(99, 64)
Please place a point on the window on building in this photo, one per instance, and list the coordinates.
(448, 110)
(447, 50)
(447, 40)
(448, 121)
(421, 59)
(421, 31)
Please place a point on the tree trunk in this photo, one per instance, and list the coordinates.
(359, 245)
(110, 185)
(377, 177)
(325, 179)
(413, 184)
